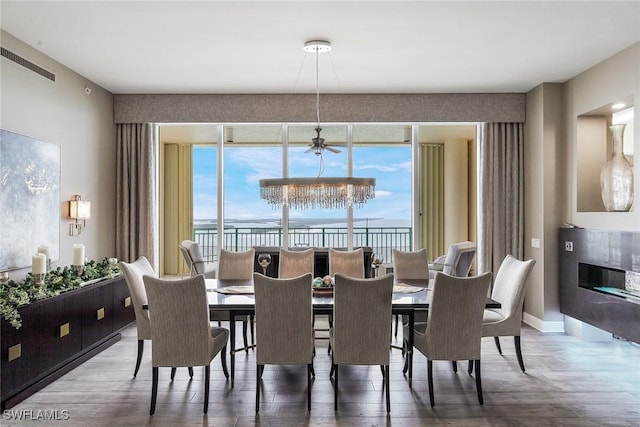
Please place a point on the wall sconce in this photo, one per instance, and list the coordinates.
(78, 210)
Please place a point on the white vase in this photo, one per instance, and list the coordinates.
(616, 176)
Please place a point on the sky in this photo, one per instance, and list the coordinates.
(245, 166)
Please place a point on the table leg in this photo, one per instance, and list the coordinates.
(232, 344)
(410, 345)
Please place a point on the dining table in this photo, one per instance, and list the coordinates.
(236, 297)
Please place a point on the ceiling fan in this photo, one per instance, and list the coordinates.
(318, 145)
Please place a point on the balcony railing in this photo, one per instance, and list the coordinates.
(380, 239)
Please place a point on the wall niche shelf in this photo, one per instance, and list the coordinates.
(594, 149)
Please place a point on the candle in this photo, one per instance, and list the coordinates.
(39, 264)
(78, 254)
(42, 249)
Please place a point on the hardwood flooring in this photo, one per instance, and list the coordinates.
(568, 383)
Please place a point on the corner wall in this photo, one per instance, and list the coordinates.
(62, 113)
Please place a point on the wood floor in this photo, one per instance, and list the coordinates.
(568, 383)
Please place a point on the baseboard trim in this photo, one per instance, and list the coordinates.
(542, 325)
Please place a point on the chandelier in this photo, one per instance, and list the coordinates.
(319, 192)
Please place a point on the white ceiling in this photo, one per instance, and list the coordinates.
(378, 47)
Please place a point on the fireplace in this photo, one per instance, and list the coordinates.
(610, 281)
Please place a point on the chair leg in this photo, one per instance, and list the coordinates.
(154, 390)
(479, 382)
(251, 329)
(382, 371)
(223, 360)
(312, 371)
(386, 386)
(207, 376)
(173, 373)
(309, 373)
(470, 367)
(258, 375)
(405, 345)
(244, 336)
(190, 371)
(516, 341)
(395, 332)
(497, 341)
(454, 365)
(430, 381)
(139, 359)
(334, 368)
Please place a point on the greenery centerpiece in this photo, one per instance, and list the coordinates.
(14, 295)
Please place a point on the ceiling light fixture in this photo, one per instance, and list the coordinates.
(318, 192)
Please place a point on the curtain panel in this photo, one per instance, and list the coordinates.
(501, 201)
(135, 192)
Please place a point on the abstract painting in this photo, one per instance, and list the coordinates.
(29, 199)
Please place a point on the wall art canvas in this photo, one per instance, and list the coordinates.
(29, 199)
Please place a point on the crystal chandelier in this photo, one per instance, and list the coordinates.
(319, 192)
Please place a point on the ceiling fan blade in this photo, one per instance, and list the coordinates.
(333, 150)
(308, 150)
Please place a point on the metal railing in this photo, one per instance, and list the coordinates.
(380, 239)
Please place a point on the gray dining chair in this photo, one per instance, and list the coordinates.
(133, 273)
(181, 334)
(509, 289)
(295, 263)
(349, 263)
(457, 261)
(285, 334)
(410, 266)
(360, 332)
(238, 265)
(192, 255)
(453, 330)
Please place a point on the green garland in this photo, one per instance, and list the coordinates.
(14, 295)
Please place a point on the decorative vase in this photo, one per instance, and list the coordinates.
(616, 176)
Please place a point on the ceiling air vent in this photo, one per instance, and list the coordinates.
(27, 64)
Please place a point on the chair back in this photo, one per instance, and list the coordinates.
(509, 285)
(133, 273)
(179, 313)
(295, 263)
(361, 319)
(454, 322)
(193, 255)
(459, 259)
(348, 263)
(236, 265)
(410, 265)
(284, 329)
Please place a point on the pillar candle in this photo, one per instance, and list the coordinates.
(42, 249)
(39, 264)
(78, 254)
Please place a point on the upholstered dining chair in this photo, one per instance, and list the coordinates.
(285, 334)
(295, 263)
(408, 267)
(192, 255)
(509, 290)
(348, 263)
(234, 265)
(133, 273)
(360, 332)
(453, 330)
(457, 261)
(181, 334)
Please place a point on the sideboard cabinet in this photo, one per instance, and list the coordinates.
(60, 333)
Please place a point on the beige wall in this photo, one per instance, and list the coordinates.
(552, 173)
(611, 80)
(543, 198)
(82, 124)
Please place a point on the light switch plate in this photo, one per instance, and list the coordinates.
(535, 242)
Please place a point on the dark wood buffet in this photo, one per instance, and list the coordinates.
(60, 333)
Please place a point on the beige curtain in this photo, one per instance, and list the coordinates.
(432, 199)
(501, 194)
(177, 206)
(135, 192)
